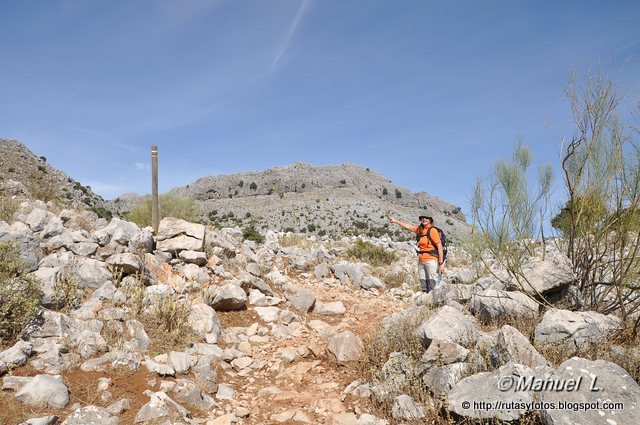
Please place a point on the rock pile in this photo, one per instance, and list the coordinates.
(273, 332)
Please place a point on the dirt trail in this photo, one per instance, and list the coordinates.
(310, 388)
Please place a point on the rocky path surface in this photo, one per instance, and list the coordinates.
(293, 378)
(204, 326)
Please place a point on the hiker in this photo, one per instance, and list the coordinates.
(430, 260)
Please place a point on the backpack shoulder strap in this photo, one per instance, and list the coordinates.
(428, 234)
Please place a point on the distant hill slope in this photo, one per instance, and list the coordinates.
(334, 200)
(337, 199)
(26, 176)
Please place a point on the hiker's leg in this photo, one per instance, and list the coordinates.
(422, 275)
(431, 267)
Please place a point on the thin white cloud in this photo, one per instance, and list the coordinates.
(106, 138)
(286, 42)
(176, 15)
(141, 166)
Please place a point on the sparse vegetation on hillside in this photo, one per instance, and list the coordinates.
(371, 253)
(168, 206)
(20, 294)
(37, 180)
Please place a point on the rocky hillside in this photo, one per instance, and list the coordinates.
(334, 199)
(24, 175)
(196, 326)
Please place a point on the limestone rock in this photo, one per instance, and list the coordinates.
(404, 407)
(600, 382)
(574, 330)
(349, 273)
(195, 257)
(486, 388)
(44, 390)
(17, 355)
(162, 406)
(300, 298)
(448, 324)
(345, 347)
(512, 346)
(91, 415)
(204, 321)
(492, 304)
(175, 234)
(331, 308)
(128, 263)
(547, 276)
(227, 298)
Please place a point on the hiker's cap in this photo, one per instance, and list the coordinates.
(422, 217)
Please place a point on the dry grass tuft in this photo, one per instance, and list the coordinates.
(300, 241)
(621, 349)
(14, 412)
(20, 294)
(8, 208)
(394, 279)
(400, 336)
(168, 327)
(626, 354)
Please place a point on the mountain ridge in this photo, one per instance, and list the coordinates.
(301, 197)
(334, 199)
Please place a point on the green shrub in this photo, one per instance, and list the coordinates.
(168, 206)
(360, 224)
(592, 210)
(370, 253)
(102, 213)
(20, 294)
(250, 233)
(253, 186)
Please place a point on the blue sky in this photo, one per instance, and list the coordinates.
(428, 93)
